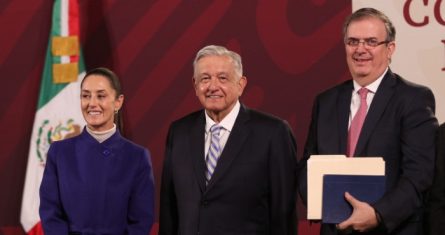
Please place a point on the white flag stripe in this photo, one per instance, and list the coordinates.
(64, 106)
(64, 31)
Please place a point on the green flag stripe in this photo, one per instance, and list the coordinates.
(47, 88)
(56, 25)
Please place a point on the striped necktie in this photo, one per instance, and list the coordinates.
(214, 151)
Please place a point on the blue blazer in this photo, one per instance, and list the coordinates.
(400, 127)
(97, 188)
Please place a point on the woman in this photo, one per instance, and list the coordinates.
(97, 182)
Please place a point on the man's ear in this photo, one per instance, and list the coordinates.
(242, 83)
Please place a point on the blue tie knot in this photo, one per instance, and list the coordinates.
(215, 129)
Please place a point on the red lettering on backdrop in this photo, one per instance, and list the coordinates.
(437, 12)
(409, 19)
(438, 15)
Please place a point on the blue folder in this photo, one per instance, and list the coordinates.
(365, 188)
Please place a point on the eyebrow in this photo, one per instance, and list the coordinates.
(208, 74)
(354, 38)
(98, 91)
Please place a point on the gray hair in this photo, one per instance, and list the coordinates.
(371, 12)
(213, 50)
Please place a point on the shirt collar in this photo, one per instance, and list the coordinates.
(228, 121)
(373, 86)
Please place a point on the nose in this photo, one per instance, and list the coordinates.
(92, 101)
(361, 47)
(214, 83)
(361, 42)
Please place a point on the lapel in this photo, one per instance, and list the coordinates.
(381, 99)
(237, 137)
(197, 130)
(343, 107)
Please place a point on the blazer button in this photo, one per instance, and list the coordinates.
(106, 152)
(204, 202)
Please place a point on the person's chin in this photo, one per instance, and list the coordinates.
(361, 71)
(213, 108)
(211, 105)
(94, 123)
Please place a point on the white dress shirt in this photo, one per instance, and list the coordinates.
(227, 124)
(355, 100)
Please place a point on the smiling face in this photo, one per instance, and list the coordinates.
(366, 63)
(217, 85)
(99, 102)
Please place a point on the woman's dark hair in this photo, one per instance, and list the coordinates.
(115, 85)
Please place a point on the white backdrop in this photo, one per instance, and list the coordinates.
(420, 52)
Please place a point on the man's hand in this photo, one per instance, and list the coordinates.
(363, 217)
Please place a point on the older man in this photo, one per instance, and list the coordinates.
(228, 169)
(377, 113)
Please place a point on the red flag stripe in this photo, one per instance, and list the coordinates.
(73, 23)
(36, 230)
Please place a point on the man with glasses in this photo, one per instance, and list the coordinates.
(377, 113)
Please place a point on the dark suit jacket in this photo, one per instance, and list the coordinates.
(97, 188)
(435, 213)
(400, 127)
(253, 188)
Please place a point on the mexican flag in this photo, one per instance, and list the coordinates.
(58, 114)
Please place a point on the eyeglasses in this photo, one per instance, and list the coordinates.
(367, 42)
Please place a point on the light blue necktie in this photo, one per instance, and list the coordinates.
(214, 151)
